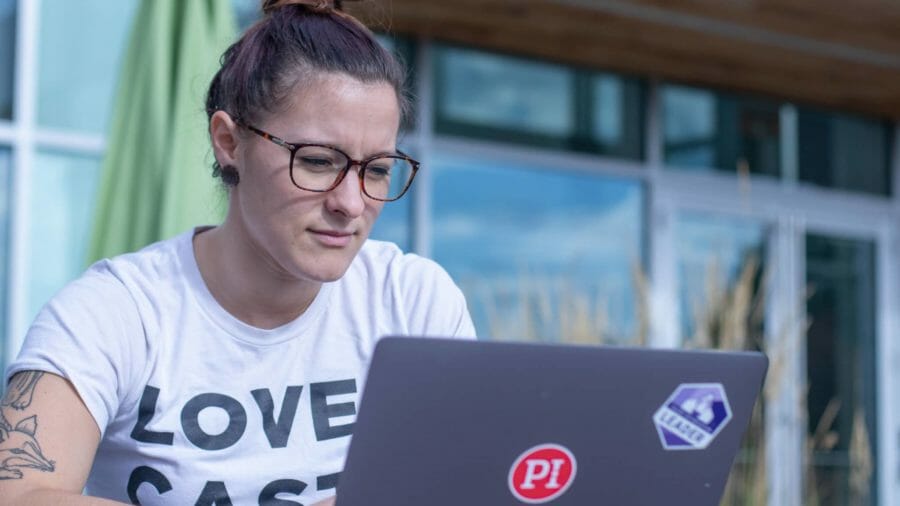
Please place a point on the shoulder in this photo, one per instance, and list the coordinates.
(111, 296)
(415, 289)
(380, 259)
(95, 331)
(158, 261)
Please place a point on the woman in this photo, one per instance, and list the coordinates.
(224, 366)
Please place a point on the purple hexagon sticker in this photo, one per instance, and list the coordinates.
(692, 416)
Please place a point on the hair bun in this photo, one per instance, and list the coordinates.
(268, 6)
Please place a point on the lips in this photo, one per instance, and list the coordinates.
(332, 238)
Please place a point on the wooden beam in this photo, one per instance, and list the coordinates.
(780, 48)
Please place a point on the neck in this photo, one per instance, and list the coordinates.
(244, 284)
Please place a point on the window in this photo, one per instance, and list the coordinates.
(79, 61)
(540, 253)
(62, 211)
(617, 116)
(713, 131)
(841, 370)
(499, 93)
(5, 183)
(492, 96)
(7, 56)
(719, 266)
(844, 152)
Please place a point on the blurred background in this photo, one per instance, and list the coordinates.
(669, 173)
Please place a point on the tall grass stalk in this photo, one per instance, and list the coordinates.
(727, 317)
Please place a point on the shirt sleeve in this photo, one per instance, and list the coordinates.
(90, 333)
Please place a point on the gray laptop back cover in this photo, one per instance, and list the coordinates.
(449, 422)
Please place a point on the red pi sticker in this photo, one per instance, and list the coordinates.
(542, 473)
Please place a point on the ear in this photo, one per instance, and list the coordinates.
(223, 132)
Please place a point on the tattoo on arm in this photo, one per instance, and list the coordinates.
(19, 449)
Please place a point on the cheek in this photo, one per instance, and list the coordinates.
(267, 182)
(373, 210)
(273, 207)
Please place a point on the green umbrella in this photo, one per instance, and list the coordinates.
(156, 178)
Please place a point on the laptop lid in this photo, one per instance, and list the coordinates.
(450, 422)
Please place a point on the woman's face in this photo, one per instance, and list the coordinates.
(303, 235)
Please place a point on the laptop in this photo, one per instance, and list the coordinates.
(450, 422)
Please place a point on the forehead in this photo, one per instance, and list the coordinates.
(337, 104)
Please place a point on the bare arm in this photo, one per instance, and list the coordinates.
(47, 442)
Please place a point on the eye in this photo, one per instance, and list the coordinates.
(378, 169)
(316, 162)
(317, 159)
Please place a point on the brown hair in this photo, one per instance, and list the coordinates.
(295, 41)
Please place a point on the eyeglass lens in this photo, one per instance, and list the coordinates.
(317, 168)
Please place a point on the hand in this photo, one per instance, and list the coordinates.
(326, 502)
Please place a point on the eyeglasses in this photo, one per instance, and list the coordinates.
(321, 168)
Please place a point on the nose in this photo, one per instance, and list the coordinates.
(347, 198)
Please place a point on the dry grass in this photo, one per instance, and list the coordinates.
(731, 318)
(725, 316)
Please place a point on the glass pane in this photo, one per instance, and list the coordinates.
(719, 278)
(719, 266)
(62, 199)
(5, 186)
(79, 61)
(710, 131)
(616, 125)
(503, 93)
(841, 371)
(7, 57)
(844, 152)
(541, 253)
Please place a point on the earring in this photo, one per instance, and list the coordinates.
(230, 176)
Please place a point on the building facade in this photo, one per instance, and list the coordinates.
(579, 193)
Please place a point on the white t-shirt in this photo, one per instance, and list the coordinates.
(194, 406)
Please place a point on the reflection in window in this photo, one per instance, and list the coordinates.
(841, 370)
(5, 186)
(719, 277)
(541, 255)
(719, 266)
(505, 93)
(711, 131)
(79, 62)
(617, 116)
(609, 107)
(492, 96)
(62, 214)
(7, 57)
(844, 152)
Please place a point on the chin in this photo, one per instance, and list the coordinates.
(329, 272)
(325, 265)
(330, 276)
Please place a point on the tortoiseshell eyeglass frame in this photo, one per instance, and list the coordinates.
(293, 147)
